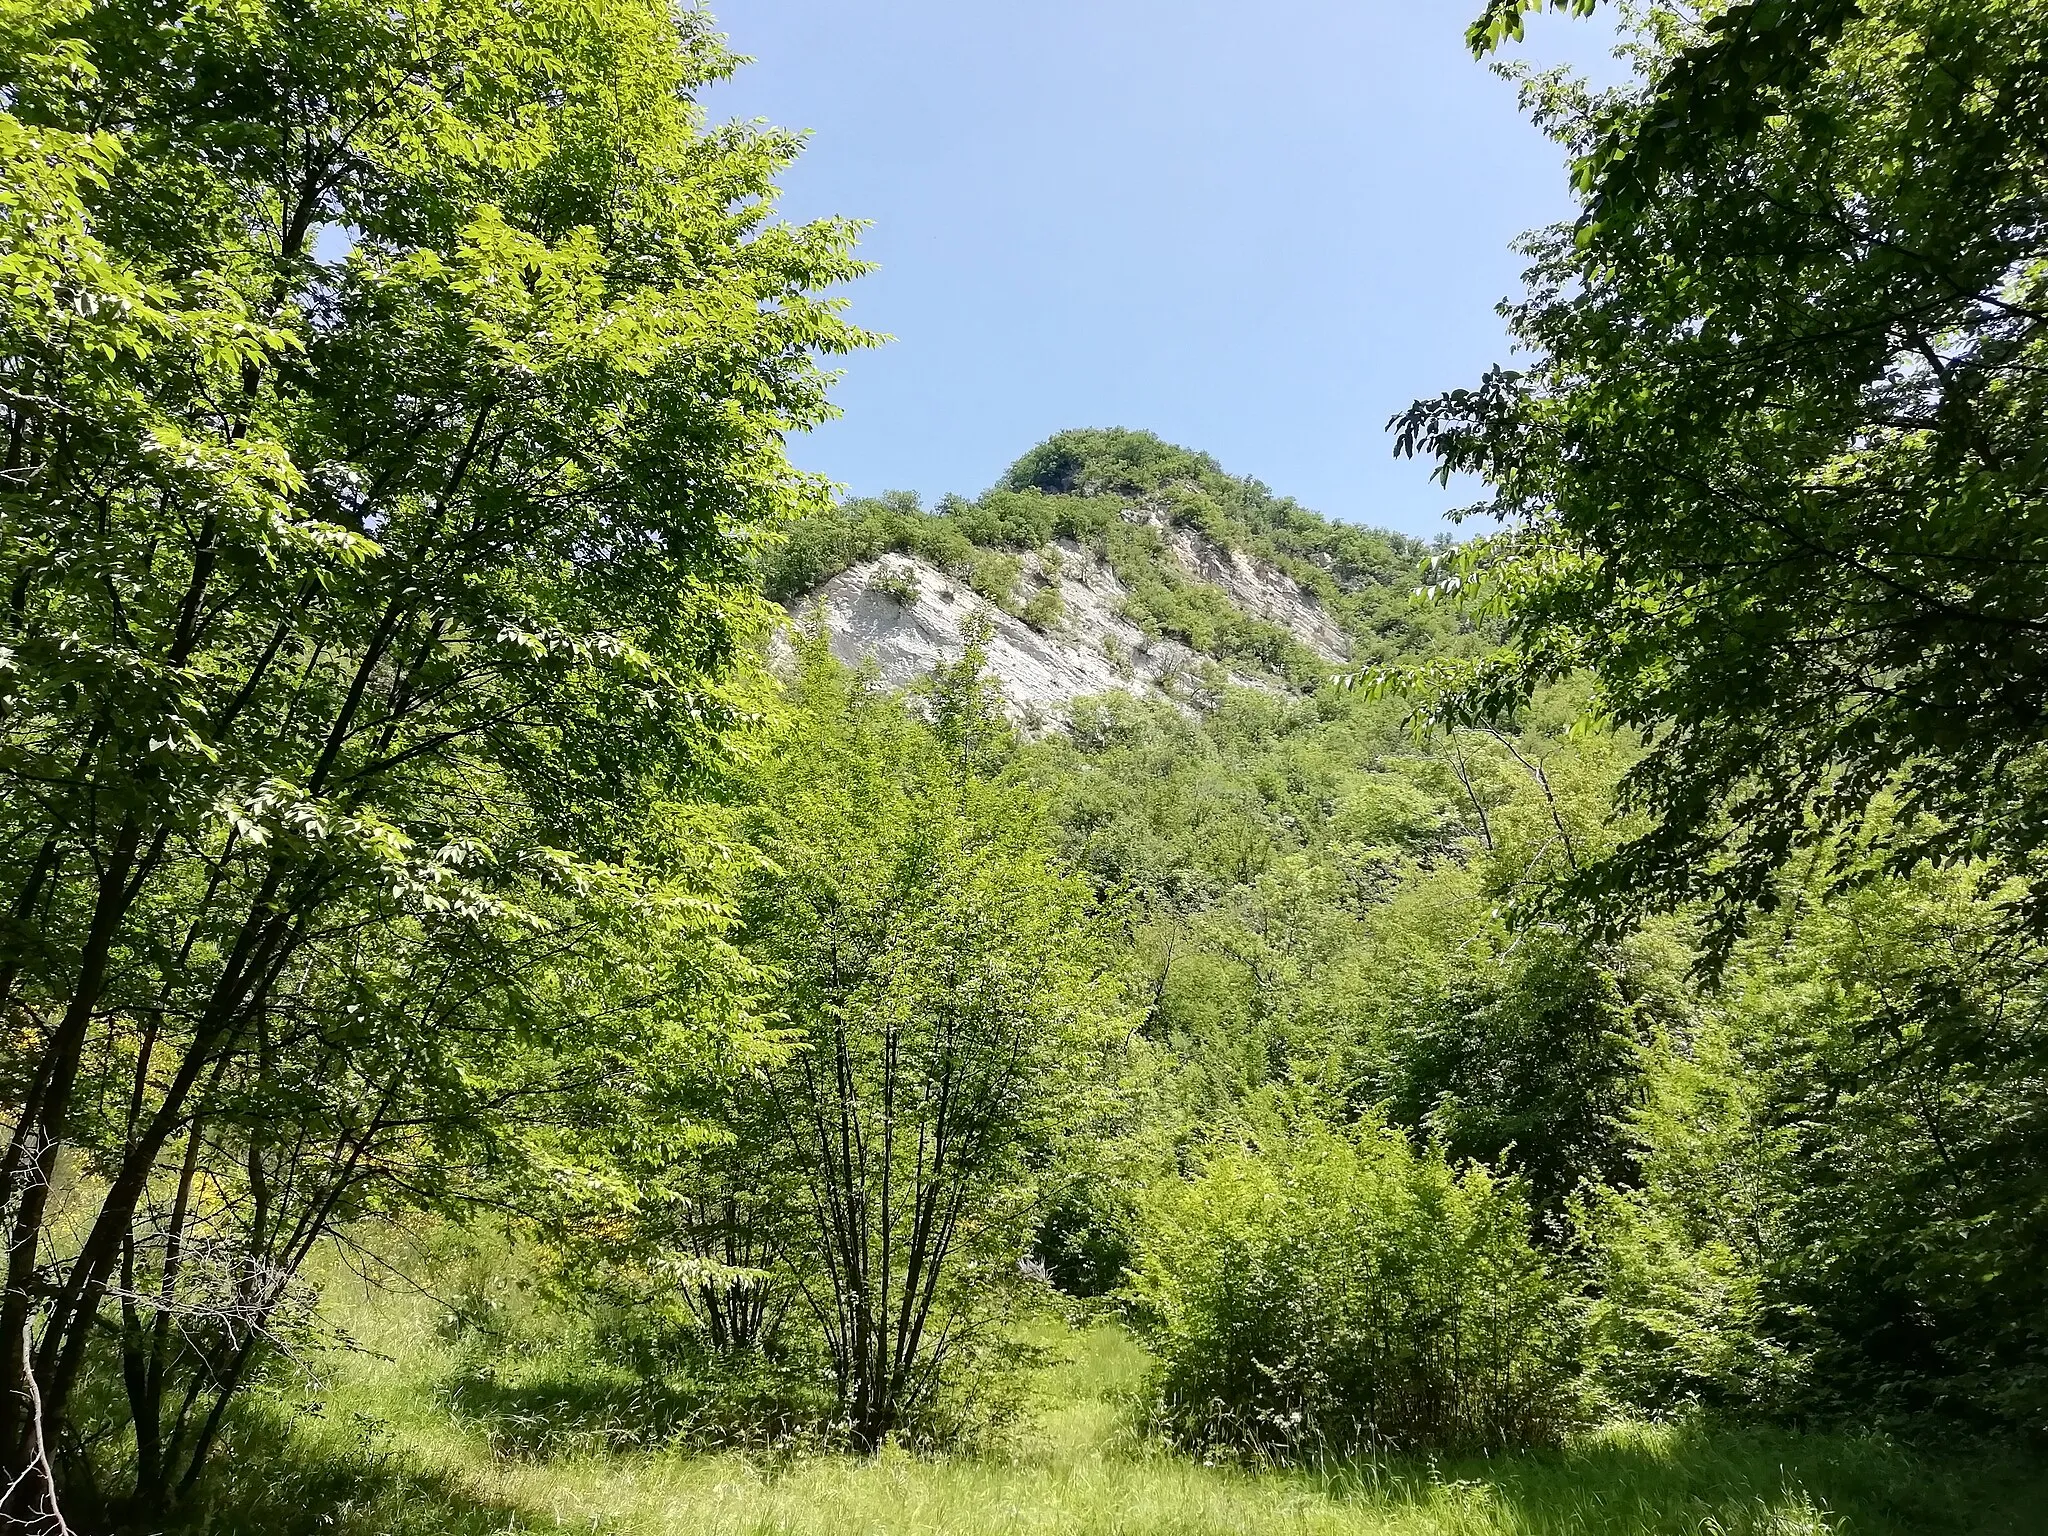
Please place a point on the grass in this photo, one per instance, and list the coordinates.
(388, 1457)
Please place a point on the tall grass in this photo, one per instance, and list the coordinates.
(387, 1457)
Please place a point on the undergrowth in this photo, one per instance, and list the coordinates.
(418, 1438)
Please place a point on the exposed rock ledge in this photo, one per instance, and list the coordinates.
(906, 617)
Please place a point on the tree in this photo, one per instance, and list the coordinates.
(938, 968)
(358, 606)
(412, 1069)
(1774, 476)
(1839, 1205)
(690, 1211)
(1774, 471)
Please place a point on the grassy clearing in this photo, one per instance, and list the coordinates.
(386, 1458)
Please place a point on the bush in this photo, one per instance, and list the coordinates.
(994, 576)
(1046, 611)
(1340, 1292)
(898, 584)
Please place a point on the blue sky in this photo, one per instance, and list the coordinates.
(1256, 230)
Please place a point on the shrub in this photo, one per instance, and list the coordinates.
(994, 576)
(1837, 1211)
(1046, 611)
(820, 546)
(898, 583)
(1341, 1291)
(937, 542)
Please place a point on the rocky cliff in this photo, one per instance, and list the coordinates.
(904, 615)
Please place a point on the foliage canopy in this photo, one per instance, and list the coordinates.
(1773, 473)
(393, 398)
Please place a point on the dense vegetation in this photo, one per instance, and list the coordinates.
(1592, 1036)
(368, 621)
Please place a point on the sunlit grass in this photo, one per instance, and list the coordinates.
(385, 1457)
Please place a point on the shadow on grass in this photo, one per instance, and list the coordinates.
(545, 1411)
(274, 1482)
(336, 1479)
(1700, 1481)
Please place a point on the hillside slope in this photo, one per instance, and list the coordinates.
(1105, 561)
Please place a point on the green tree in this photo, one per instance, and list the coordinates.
(356, 607)
(689, 1211)
(938, 969)
(421, 1067)
(1773, 469)
(1840, 1202)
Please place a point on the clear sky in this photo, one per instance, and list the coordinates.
(1257, 230)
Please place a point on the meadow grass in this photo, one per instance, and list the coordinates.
(386, 1457)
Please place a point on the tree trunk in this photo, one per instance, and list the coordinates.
(26, 1420)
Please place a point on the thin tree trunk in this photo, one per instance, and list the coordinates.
(20, 1399)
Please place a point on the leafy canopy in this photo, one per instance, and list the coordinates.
(370, 602)
(1775, 469)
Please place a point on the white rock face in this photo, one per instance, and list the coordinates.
(906, 617)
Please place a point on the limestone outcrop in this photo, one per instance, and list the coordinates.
(904, 616)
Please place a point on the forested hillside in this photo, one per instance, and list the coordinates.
(1332, 919)
(557, 975)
